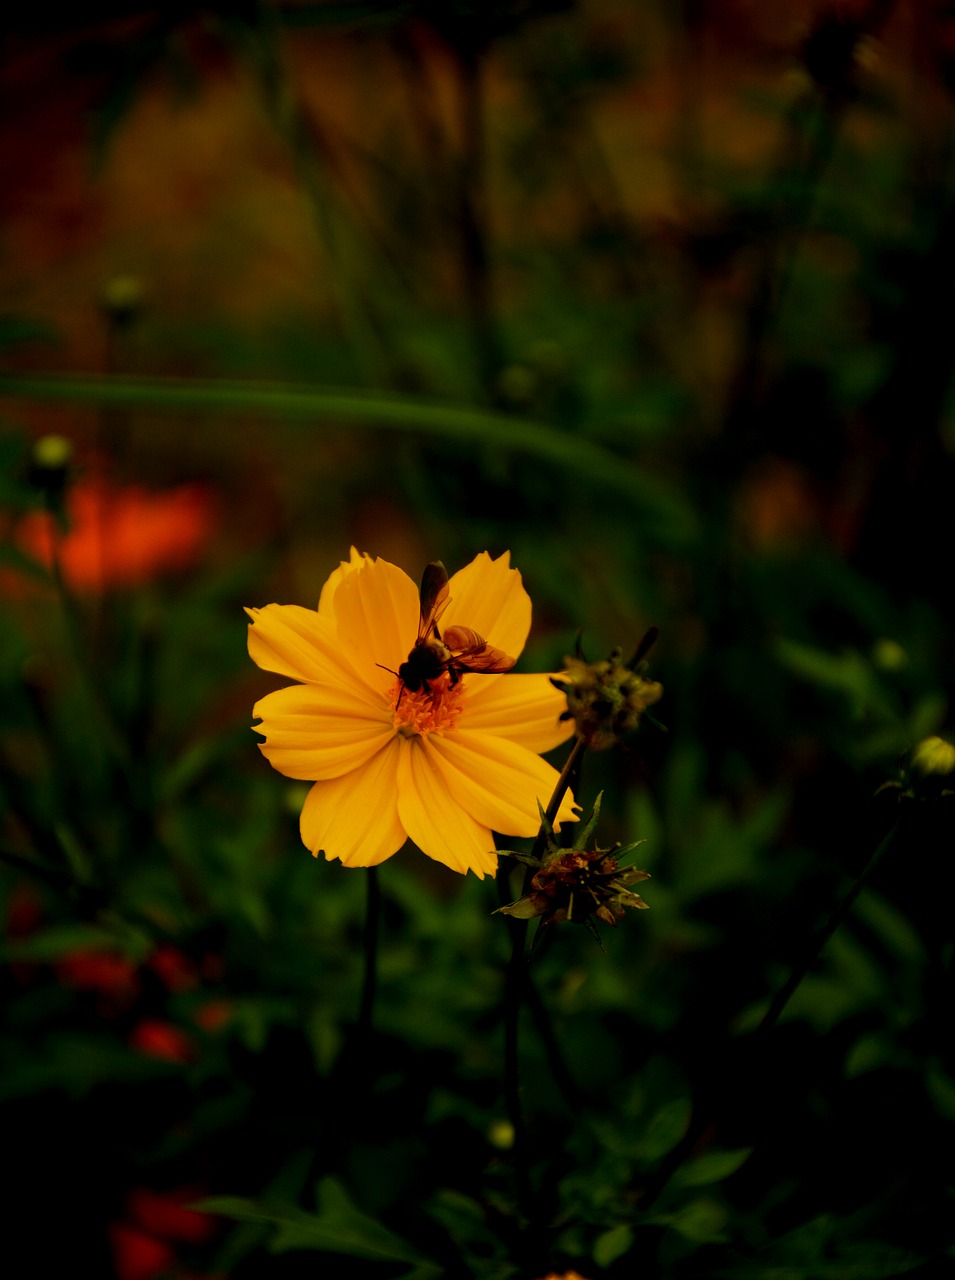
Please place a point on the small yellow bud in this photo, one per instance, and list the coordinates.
(889, 655)
(49, 468)
(52, 452)
(501, 1135)
(934, 756)
(122, 298)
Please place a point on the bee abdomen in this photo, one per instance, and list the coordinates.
(461, 639)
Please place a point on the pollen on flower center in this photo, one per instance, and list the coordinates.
(422, 713)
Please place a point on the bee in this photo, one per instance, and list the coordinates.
(459, 650)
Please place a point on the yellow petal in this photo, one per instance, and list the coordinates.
(376, 615)
(434, 820)
(488, 596)
(521, 708)
(497, 782)
(326, 600)
(296, 642)
(354, 817)
(321, 731)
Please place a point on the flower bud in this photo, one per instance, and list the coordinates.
(122, 299)
(933, 756)
(606, 698)
(929, 773)
(50, 465)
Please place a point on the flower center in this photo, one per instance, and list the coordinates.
(427, 712)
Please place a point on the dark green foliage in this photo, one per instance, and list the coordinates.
(733, 420)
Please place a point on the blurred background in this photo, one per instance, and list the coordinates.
(654, 294)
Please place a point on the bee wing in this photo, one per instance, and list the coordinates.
(473, 653)
(489, 660)
(433, 596)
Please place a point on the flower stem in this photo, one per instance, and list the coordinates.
(702, 1118)
(791, 985)
(560, 790)
(369, 983)
(114, 740)
(516, 987)
(515, 978)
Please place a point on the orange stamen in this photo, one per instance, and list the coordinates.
(421, 713)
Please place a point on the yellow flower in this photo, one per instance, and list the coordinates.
(443, 766)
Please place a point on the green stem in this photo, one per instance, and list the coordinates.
(661, 507)
(369, 985)
(560, 1073)
(702, 1120)
(515, 978)
(118, 748)
(515, 990)
(560, 790)
(792, 983)
(54, 877)
(470, 221)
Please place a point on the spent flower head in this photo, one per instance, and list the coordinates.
(578, 883)
(607, 699)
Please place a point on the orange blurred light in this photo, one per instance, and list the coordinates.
(120, 536)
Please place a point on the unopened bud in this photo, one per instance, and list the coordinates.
(122, 299)
(50, 464)
(933, 756)
(606, 698)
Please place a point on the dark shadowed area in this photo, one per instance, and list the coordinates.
(654, 295)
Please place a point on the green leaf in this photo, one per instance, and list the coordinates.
(625, 851)
(927, 715)
(466, 1222)
(869, 1052)
(664, 508)
(338, 1227)
(545, 821)
(76, 1064)
(522, 909)
(240, 1209)
(527, 858)
(894, 929)
(710, 1168)
(612, 1244)
(848, 673)
(665, 1130)
(60, 940)
(76, 855)
(941, 1088)
(586, 831)
(702, 1221)
(12, 557)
